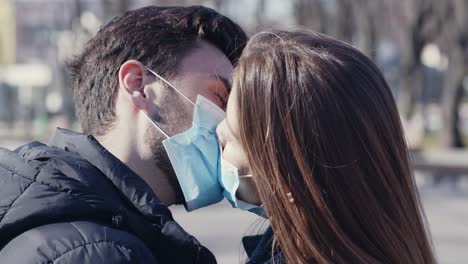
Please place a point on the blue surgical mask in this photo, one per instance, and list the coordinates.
(230, 181)
(196, 157)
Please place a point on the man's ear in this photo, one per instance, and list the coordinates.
(131, 83)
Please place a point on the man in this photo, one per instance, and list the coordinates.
(102, 196)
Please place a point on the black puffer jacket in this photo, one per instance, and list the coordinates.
(71, 201)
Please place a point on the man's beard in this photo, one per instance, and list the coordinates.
(163, 163)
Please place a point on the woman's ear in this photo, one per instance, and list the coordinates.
(131, 76)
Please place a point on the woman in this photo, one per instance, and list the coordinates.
(314, 122)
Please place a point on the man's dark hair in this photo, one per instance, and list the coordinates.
(157, 37)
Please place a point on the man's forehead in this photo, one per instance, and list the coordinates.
(206, 61)
(203, 77)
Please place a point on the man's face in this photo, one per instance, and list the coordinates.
(205, 71)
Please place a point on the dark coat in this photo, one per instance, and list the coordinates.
(71, 201)
(259, 249)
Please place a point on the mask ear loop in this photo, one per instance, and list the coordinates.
(156, 126)
(175, 89)
(246, 176)
(170, 85)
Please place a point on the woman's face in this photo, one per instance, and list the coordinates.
(233, 151)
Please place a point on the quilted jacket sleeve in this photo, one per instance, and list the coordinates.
(76, 242)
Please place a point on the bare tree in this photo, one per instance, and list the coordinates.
(413, 25)
(114, 8)
(345, 21)
(260, 14)
(218, 4)
(174, 2)
(311, 14)
(454, 41)
(368, 23)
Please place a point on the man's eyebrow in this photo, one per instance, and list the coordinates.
(225, 81)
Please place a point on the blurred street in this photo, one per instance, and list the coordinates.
(447, 213)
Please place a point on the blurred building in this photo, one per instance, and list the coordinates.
(7, 32)
(37, 26)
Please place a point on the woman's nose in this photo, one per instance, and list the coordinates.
(219, 134)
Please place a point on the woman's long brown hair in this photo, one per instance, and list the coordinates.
(324, 140)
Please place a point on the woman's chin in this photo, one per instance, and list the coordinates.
(247, 191)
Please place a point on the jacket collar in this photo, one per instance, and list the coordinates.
(166, 238)
(128, 182)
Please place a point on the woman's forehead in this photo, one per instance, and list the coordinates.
(232, 113)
